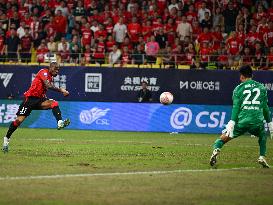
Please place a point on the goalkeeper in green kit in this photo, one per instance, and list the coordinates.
(249, 111)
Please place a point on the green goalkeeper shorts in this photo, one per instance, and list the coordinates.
(257, 130)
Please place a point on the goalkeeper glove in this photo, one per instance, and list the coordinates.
(270, 127)
(229, 129)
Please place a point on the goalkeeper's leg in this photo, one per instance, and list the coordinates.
(262, 145)
(218, 144)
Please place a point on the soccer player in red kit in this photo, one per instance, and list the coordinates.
(35, 99)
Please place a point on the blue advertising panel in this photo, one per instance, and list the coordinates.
(127, 117)
(204, 87)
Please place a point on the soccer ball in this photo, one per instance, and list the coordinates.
(166, 98)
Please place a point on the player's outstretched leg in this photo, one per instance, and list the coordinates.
(13, 126)
(54, 105)
(218, 144)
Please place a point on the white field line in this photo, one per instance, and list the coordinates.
(127, 141)
(59, 176)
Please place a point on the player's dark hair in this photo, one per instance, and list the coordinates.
(246, 71)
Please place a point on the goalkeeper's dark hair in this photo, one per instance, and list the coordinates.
(246, 71)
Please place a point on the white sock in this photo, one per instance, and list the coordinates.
(261, 157)
(6, 140)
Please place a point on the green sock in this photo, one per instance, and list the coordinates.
(218, 144)
(262, 144)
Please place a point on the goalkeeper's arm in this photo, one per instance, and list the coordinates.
(267, 118)
(234, 117)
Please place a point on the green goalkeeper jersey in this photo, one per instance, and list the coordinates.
(250, 103)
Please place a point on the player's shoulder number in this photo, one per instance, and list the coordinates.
(256, 92)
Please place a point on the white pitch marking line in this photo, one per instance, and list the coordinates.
(119, 174)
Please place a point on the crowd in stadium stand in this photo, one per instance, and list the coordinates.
(197, 33)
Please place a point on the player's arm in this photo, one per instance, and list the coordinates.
(266, 113)
(51, 86)
(236, 107)
(234, 116)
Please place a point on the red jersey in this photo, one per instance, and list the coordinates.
(233, 46)
(270, 57)
(38, 87)
(86, 36)
(252, 38)
(99, 33)
(60, 23)
(268, 37)
(262, 29)
(26, 43)
(2, 43)
(204, 54)
(191, 16)
(217, 39)
(109, 45)
(270, 13)
(134, 30)
(204, 38)
(146, 32)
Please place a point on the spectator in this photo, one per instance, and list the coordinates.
(52, 45)
(62, 7)
(114, 56)
(12, 46)
(218, 18)
(204, 37)
(101, 32)
(99, 51)
(75, 54)
(161, 39)
(191, 14)
(134, 29)
(169, 30)
(79, 11)
(21, 30)
(125, 56)
(65, 54)
(120, 31)
(50, 28)
(60, 24)
(204, 53)
(62, 43)
(246, 56)
(172, 5)
(138, 56)
(151, 49)
(86, 35)
(269, 59)
(41, 52)
(259, 57)
(268, 36)
(75, 42)
(202, 11)
(144, 95)
(2, 46)
(230, 15)
(26, 46)
(206, 22)
(95, 26)
(234, 48)
(110, 44)
(168, 59)
(184, 29)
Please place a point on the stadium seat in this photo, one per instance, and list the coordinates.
(156, 66)
(145, 66)
(183, 67)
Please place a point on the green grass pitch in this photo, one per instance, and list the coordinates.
(86, 155)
